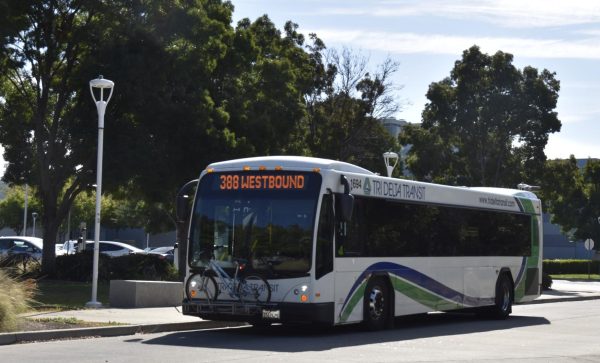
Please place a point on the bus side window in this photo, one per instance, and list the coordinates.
(324, 253)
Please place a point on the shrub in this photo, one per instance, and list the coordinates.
(78, 267)
(141, 267)
(20, 266)
(15, 298)
(563, 267)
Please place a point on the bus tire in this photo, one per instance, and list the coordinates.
(376, 308)
(504, 298)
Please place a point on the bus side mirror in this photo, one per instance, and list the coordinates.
(346, 206)
(181, 202)
(182, 208)
(346, 200)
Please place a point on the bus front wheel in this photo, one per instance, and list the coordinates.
(376, 304)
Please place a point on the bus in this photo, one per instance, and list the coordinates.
(339, 244)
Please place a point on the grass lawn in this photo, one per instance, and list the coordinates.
(68, 294)
(592, 277)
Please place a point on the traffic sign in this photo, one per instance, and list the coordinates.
(589, 244)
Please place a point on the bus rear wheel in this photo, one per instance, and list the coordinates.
(376, 304)
(504, 298)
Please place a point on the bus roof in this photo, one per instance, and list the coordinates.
(507, 191)
(365, 182)
(293, 162)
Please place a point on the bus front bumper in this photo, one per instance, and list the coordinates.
(322, 313)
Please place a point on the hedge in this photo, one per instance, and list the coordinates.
(78, 267)
(563, 267)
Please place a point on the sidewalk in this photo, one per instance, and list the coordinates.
(154, 320)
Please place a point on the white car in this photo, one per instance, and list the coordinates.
(112, 248)
(109, 248)
(13, 245)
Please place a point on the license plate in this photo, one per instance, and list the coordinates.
(271, 314)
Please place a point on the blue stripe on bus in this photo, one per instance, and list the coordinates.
(427, 283)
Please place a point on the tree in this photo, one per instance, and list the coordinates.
(345, 107)
(487, 124)
(12, 208)
(50, 52)
(572, 195)
(190, 90)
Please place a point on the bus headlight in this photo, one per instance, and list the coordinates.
(192, 286)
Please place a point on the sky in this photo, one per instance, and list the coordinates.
(427, 36)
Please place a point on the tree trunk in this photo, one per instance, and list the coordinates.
(49, 252)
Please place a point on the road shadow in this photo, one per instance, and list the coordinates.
(290, 339)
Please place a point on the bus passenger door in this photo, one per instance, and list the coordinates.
(324, 276)
(349, 246)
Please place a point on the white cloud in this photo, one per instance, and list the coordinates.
(505, 13)
(560, 147)
(412, 43)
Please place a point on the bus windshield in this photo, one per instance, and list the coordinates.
(266, 218)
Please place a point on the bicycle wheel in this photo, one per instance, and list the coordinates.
(255, 289)
(202, 287)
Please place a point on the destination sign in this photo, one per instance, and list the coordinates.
(244, 181)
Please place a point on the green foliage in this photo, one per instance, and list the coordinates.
(15, 298)
(344, 107)
(564, 267)
(190, 89)
(21, 266)
(12, 207)
(78, 267)
(572, 196)
(486, 124)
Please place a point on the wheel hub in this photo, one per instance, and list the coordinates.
(376, 303)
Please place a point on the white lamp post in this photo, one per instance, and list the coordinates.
(102, 84)
(25, 212)
(391, 160)
(34, 215)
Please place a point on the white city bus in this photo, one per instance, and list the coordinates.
(339, 244)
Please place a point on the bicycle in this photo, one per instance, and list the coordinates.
(251, 288)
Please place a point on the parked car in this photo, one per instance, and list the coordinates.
(112, 248)
(164, 253)
(18, 245)
(109, 248)
(68, 248)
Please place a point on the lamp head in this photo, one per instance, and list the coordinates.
(391, 160)
(100, 82)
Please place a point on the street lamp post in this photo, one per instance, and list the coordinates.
(391, 160)
(102, 84)
(25, 211)
(34, 215)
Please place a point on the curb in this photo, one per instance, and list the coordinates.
(563, 299)
(110, 331)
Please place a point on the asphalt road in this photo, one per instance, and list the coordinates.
(554, 332)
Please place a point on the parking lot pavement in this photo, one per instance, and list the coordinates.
(144, 320)
(564, 290)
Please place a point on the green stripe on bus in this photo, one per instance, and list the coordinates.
(354, 300)
(422, 296)
(533, 261)
(416, 293)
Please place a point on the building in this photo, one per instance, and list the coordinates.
(393, 125)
